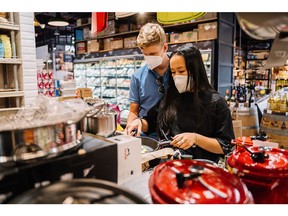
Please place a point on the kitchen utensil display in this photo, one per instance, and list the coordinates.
(267, 178)
(79, 191)
(195, 182)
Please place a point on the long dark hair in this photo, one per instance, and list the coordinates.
(195, 68)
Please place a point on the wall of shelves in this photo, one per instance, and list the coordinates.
(18, 71)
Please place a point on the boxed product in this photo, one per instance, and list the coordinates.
(190, 36)
(78, 34)
(86, 33)
(123, 28)
(81, 48)
(117, 43)
(85, 92)
(107, 43)
(130, 42)
(92, 46)
(176, 37)
(207, 31)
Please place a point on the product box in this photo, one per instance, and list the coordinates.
(78, 34)
(130, 42)
(128, 157)
(176, 37)
(92, 46)
(86, 33)
(190, 36)
(116, 43)
(81, 48)
(107, 43)
(207, 31)
(123, 28)
(85, 92)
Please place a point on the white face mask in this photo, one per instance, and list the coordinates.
(181, 82)
(153, 61)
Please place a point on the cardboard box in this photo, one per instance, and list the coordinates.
(207, 31)
(130, 42)
(107, 43)
(190, 36)
(84, 92)
(86, 33)
(81, 48)
(92, 46)
(176, 37)
(116, 43)
(128, 157)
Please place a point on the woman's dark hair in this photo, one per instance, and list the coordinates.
(172, 99)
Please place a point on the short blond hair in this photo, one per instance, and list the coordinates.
(151, 34)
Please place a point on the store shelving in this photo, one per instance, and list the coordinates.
(11, 92)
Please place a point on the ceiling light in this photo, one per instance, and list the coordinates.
(58, 21)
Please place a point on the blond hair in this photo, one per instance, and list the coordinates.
(151, 34)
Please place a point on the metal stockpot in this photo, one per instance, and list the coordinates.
(33, 143)
(103, 123)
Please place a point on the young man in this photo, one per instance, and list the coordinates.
(148, 83)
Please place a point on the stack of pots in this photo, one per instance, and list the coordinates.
(196, 182)
(267, 179)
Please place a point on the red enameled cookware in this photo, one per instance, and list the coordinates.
(190, 181)
(266, 177)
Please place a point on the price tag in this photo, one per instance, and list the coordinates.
(269, 111)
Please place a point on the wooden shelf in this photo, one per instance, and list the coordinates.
(10, 61)
(9, 27)
(5, 94)
(10, 109)
(181, 25)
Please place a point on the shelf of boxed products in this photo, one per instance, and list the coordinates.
(196, 31)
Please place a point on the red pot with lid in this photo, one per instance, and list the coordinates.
(196, 182)
(267, 178)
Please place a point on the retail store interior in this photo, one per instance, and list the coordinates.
(64, 104)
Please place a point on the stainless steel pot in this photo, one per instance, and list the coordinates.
(103, 122)
(32, 143)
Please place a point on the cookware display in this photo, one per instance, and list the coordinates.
(102, 122)
(196, 182)
(31, 143)
(264, 170)
(79, 191)
(47, 127)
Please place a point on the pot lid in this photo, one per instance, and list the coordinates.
(190, 181)
(79, 191)
(275, 163)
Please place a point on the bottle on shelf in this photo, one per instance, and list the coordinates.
(283, 105)
(227, 97)
(272, 103)
(233, 99)
(251, 102)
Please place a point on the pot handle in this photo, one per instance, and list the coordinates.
(93, 111)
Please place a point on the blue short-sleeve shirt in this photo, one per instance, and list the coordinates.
(144, 88)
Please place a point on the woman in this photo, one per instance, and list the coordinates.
(192, 113)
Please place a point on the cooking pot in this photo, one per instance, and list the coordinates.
(266, 177)
(32, 143)
(79, 191)
(196, 182)
(103, 122)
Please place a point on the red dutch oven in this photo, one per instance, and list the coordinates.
(195, 182)
(266, 176)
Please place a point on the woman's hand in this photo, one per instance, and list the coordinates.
(184, 140)
(133, 127)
